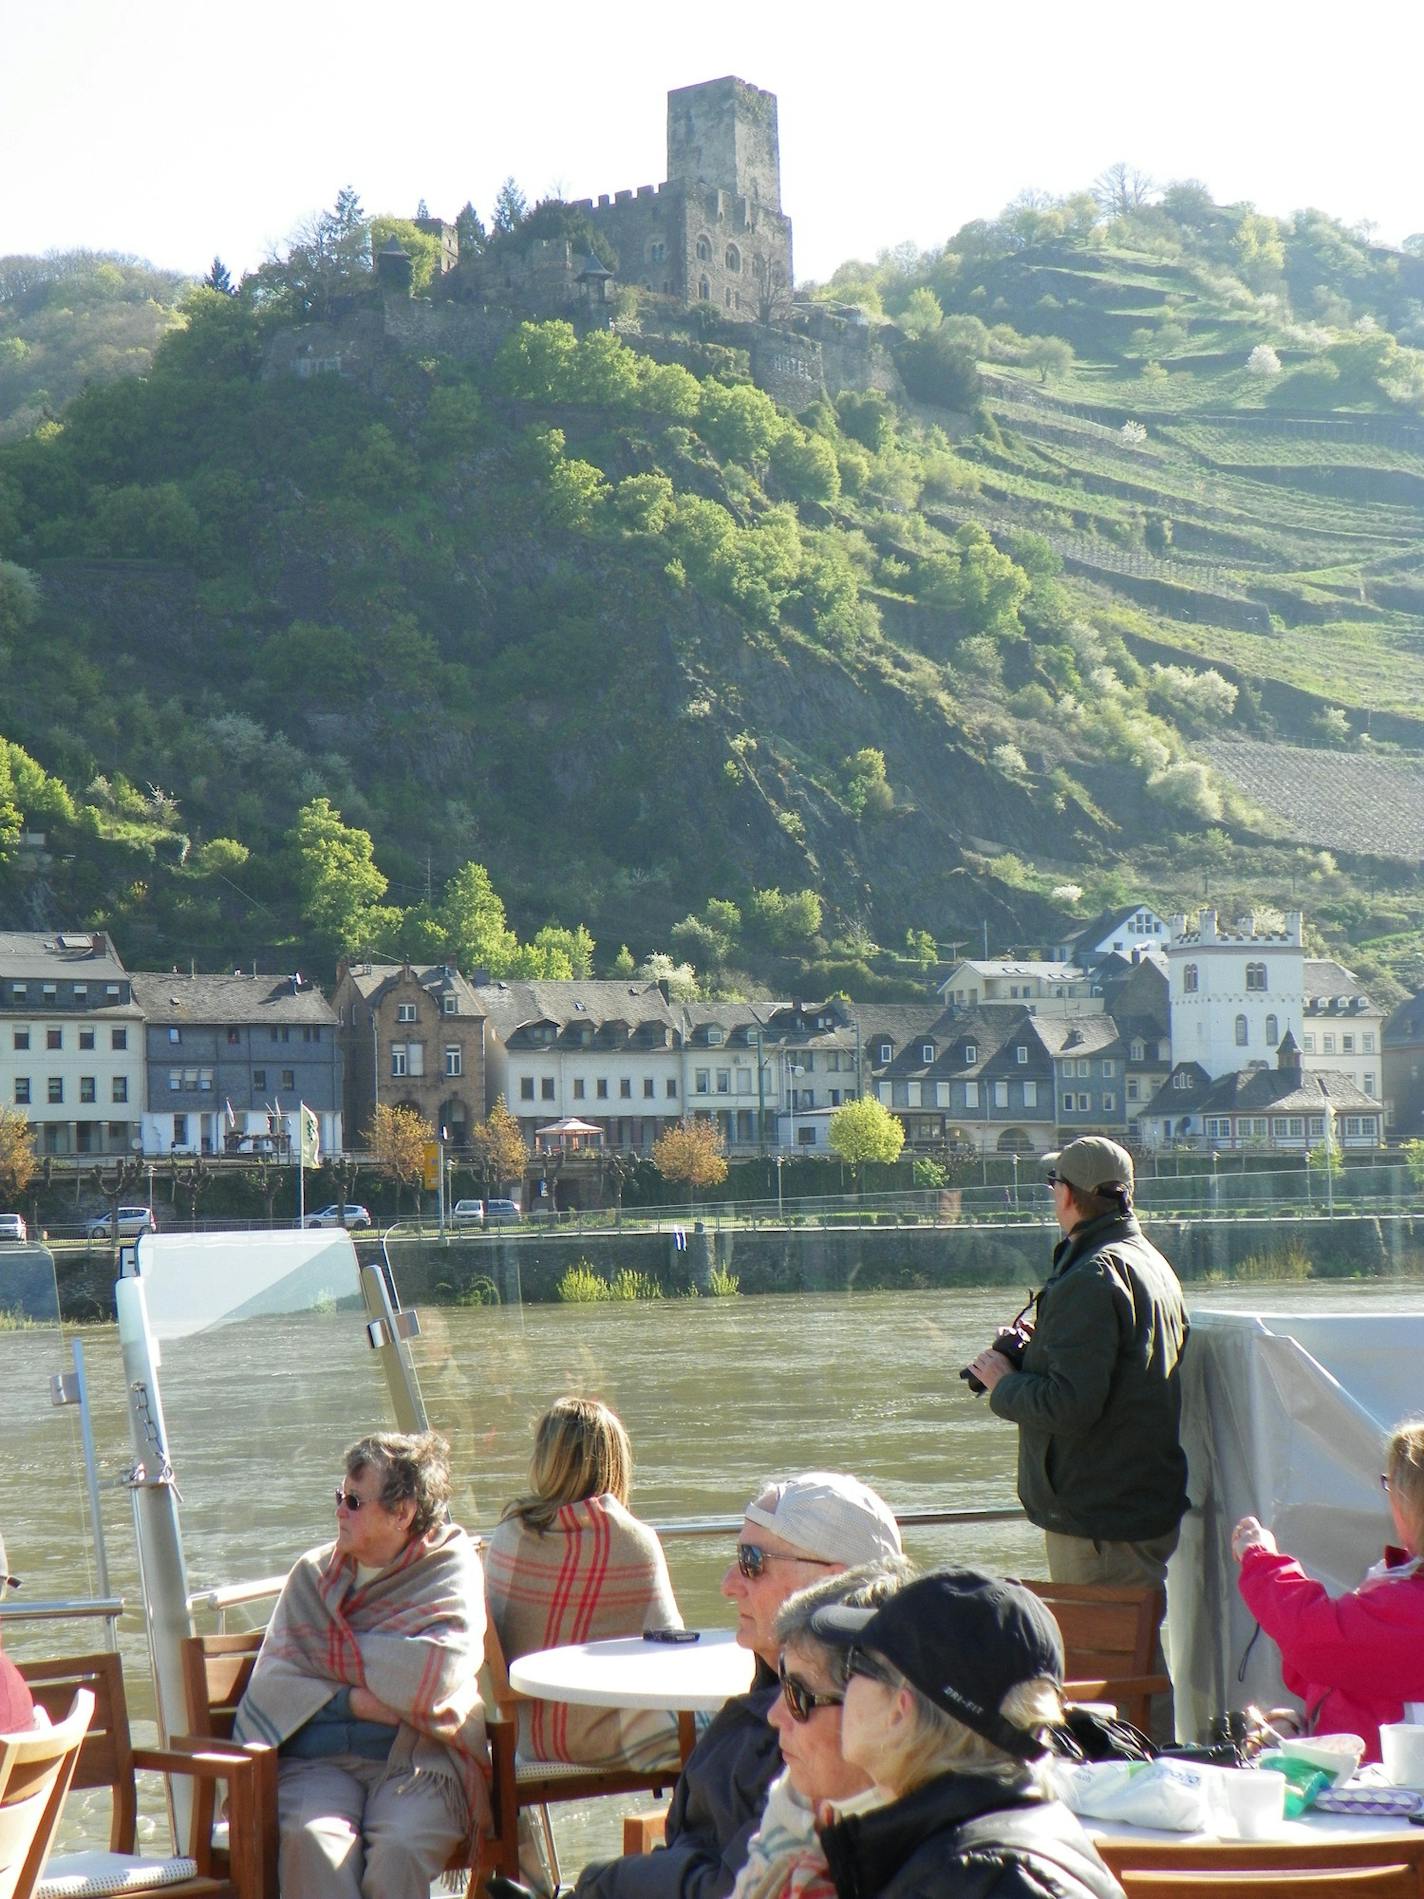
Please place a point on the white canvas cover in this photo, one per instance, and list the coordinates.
(1284, 1418)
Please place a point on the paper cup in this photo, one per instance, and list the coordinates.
(1335, 1754)
(1402, 1750)
(1256, 1801)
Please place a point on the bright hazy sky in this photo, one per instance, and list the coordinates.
(177, 129)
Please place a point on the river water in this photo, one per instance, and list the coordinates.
(716, 1395)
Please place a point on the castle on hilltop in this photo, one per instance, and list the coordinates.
(713, 233)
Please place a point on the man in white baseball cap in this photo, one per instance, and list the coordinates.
(795, 1531)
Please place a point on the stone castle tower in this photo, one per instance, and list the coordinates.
(714, 231)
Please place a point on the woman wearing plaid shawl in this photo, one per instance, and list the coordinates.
(367, 1684)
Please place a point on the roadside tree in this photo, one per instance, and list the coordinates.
(396, 1137)
(17, 1154)
(693, 1152)
(865, 1130)
(500, 1152)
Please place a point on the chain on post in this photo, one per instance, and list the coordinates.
(138, 1475)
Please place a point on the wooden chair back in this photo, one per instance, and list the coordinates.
(1109, 1638)
(216, 1671)
(1217, 1858)
(1363, 1882)
(106, 1754)
(36, 1771)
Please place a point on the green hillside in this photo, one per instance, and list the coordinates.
(802, 700)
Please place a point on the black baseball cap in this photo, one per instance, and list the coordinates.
(963, 1639)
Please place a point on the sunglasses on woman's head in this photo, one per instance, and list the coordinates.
(801, 1700)
(752, 1559)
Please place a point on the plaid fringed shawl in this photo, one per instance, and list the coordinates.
(596, 1572)
(413, 1635)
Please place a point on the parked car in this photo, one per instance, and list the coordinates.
(502, 1212)
(468, 1213)
(332, 1216)
(132, 1222)
(12, 1227)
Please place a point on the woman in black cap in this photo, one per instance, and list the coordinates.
(950, 1685)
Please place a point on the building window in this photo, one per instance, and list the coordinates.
(398, 1064)
(1109, 1070)
(180, 1130)
(1132, 1093)
(1307, 1043)
(733, 258)
(724, 1081)
(912, 1094)
(282, 1035)
(1189, 978)
(175, 1035)
(1288, 1127)
(1109, 1103)
(1367, 1041)
(22, 1091)
(704, 289)
(578, 1088)
(289, 1079)
(546, 1088)
(56, 1088)
(22, 1038)
(175, 1081)
(118, 1038)
(1367, 1084)
(87, 1090)
(1347, 1044)
(454, 1060)
(887, 1049)
(1328, 1044)
(450, 1005)
(54, 1038)
(234, 1036)
(942, 1095)
(86, 1038)
(971, 1094)
(927, 1051)
(1067, 1103)
(1241, 1031)
(18, 991)
(1181, 1079)
(1085, 1104)
(308, 1035)
(672, 1088)
(971, 1053)
(1001, 1094)
(1021, 1054)
(1273, 1032)
(1138, 1052)
(625, 1088)
(649, 1087)
(657, 251)
(526, 1087)
(1255, 975)
(715, 1036)
(121, 1087)
(704, 250)
(600, 1088)
(702, 1081)
(1030, 1089)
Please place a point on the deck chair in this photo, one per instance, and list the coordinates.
(521, 1783)
(1362, 1882)
(108, 1759)
(1160, 1858)
(36, 1769)
(1109, 1635)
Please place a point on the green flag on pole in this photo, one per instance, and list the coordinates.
(311, 1137)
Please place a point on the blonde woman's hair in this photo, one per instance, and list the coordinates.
(580, 1450)
(1404, 1467)
(937, 1743)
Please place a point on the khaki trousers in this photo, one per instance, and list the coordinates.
(1083, 1559)
(348, 1830)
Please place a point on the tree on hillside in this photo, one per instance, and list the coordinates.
(219, 277)
(327, 256)
(17, 1155)
(693, 1152)
(472, 913)
(469, 228)
(1122, 188)
(865, 1130)
(338, 884)
(396, 1139)
(1049, 355)
(499, 1148)
(510, 207)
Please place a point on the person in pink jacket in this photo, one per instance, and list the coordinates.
(1354, 1660)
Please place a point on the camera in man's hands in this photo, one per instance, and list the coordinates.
(1011, 1343)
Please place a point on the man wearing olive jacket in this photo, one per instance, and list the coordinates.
(1098, 1397)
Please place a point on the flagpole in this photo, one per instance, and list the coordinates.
(301, 1163)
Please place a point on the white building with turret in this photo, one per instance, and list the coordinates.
(1234, 990)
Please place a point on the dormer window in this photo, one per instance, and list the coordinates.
(971, 1052)
(715, 1037)
(887, 1050)
(1020, 1053)
(1138, 1051)
(927, 1052)
(449, 1004)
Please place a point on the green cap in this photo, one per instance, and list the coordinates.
(1091, 1163)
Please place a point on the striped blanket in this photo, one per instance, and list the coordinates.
(596, 1572)
(413, 1635)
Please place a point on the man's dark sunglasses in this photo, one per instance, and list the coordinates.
(801, 1700)
(1051, 1180)
(349, 1498)
(858, 1662)
(752, 1559)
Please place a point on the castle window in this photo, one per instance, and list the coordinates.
(657, 251)
(704, 250)
(1241, 1031)
(1255, 975)
(734, 257)
(727, 298)
(1273, 1032)
(704, 289)
(1189, 978)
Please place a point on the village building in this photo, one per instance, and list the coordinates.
(71, 1042)
(412, 1036)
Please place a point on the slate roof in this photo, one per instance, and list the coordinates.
(512, 1006)
(1072, 1036)
(1331, 989)
(46, 954)
(1185, 1098)
(236, 998)
(1405, 1027)
(987, 1029)
(898, 1022)
(1285, 1091)
(373, 980)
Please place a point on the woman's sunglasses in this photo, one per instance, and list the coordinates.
(801, 1700)
(752, 1560)
(858, 1662)
(349, 1498)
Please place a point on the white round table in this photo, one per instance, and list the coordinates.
(687, 1677)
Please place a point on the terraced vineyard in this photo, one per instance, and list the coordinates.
(1374, 806)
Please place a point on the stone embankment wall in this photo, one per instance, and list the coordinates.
(837, 1258)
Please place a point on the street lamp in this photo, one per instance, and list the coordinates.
(780, 1216)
